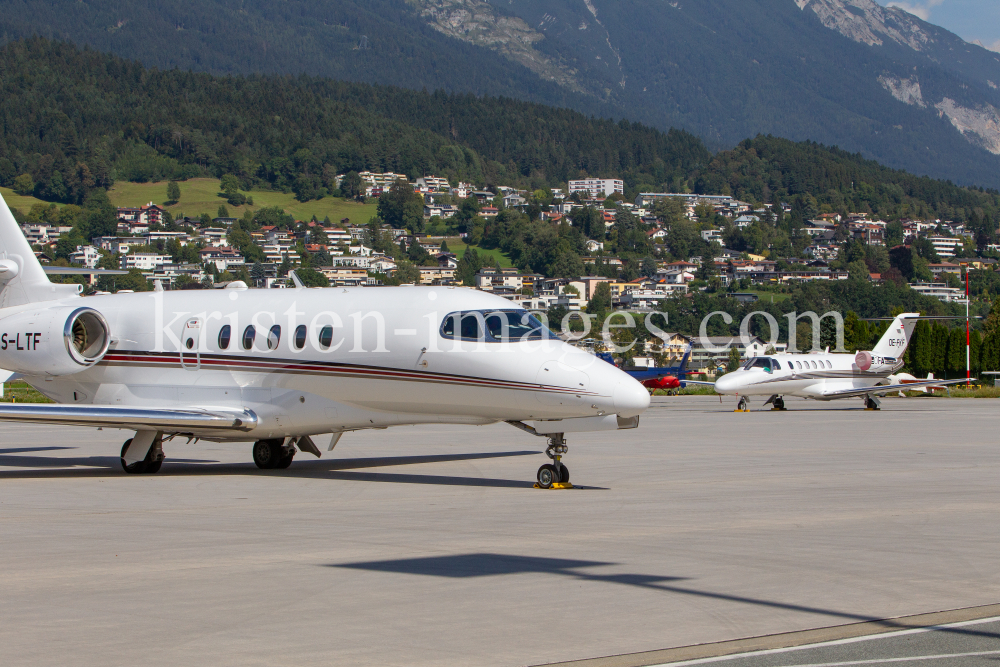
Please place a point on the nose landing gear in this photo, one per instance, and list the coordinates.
(743, 405)
(554, 475)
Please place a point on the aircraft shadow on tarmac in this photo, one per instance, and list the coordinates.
(333, 469)
(490, 564)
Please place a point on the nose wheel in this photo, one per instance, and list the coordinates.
(743, 405)
(554, 475)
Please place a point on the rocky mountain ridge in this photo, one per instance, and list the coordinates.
(850, 73)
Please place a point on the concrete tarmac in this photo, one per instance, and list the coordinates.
(428, 546)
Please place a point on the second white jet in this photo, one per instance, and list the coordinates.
(828, 376)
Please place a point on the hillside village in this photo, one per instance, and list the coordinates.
(186, 253)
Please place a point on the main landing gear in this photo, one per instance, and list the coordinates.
(274, 453)
(871, 403)
(555, 475)
(777, 402)
(150, 464)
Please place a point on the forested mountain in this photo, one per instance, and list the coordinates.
(75, 120)
(841, 72)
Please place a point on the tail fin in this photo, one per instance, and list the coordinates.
(895, 339)
(684, 362)
(22, 279)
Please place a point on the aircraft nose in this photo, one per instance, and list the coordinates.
(726, 384)
(631, 398)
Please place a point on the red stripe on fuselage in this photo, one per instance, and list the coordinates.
(161, 359)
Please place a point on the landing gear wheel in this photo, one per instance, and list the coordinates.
(547, 476)
(563, 474)
(268, 453)
(871, 404)
(743, 405)
(286, 460)
(148, 466)
(154, 465)
(779, 403)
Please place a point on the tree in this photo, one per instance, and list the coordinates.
(24, 185)
(600, 302)
(649, 268)
(856, 333)
(223, 212)
(407, 273)
(351, 185)
(402, 208)
(468, 266)
(734, 360)
(230, 186)
(173, 192)
(311, 277)
(258, 274)
(589, 221)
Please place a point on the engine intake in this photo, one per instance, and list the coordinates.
(53, 341)
(87, 336)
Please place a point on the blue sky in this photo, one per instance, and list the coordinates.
(971, 20)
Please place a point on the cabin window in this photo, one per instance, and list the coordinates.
(249, 334)
(300, 336)
(224, 335)
(813, 364)
(798, 364)
(326, 337)
(828, 364)
(274, 337)
(494, 326)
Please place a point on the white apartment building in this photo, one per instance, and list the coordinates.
(597, 188)
(87, 255)
(432, 183)
(144, 261)
(384, 180)
(940, 291)
(944, 246)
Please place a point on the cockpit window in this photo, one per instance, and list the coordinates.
(494, 326)
(766, 363)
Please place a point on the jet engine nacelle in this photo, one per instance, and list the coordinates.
(53, 341)
(863, 360)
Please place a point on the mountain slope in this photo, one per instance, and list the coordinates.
(842, 72)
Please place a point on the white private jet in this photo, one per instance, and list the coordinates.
(825, 376)
(279, 367)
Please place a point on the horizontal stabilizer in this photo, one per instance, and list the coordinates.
(886, 388)
(157, 419)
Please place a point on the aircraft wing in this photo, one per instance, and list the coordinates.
(706, 384)
(886, 388)
(155, 419)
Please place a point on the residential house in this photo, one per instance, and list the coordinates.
(87, 255)
(148, 215)
(437, 275)
(224, 258)
(944, 268)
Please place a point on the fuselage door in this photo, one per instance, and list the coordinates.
(191, 344)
